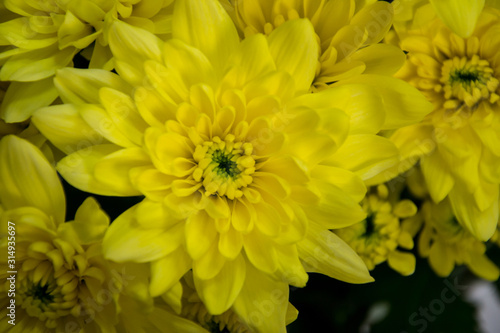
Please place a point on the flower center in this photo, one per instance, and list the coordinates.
(45, 299)
(468, 81)
(224, 167)
(369, 225)
(42, 293)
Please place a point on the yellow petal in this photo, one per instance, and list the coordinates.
(346, 180)
(365, 155)
(23, 98)
(230, 243)
(37, 64)
(126, 241)
(260, 251)
(102, 122)
(17, 32)
(294, 48)
(381, 59)
(78, 168)
(481, 224)
(252, 59)
(131, 47)
(262, 303)
(27, 179)
(90, 222)
(167, 271)
(375, 20)
(113, 170)
(441, 259)
(483, 267)
(324, 252)
(170, 322)
(402, 262)
(413, 142)
(207, 27)
(82, 85)
(75, 33)
(200, 234)
(209, 265)
(65, 128)
(335, 209)
(437, 176)
(122, 110)
(173, 297)
(290, 268)
(360, 102)
(218, 294)
(460, 16)
(403, 104)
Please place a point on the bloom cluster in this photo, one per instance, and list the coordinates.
(265, 139)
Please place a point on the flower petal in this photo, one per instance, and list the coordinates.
(460, 16)
(206, 26)
(219, 293)
(262, 302)
(27, 179)
(36, 64)
(78, 169)
(441, 259)
(167, 271)
(383, 59)
(200, 234)
(126, 240)
(483, 267)
(78, 85)
(113, 170)
(131, 47)
(23, 98)
(335, 209)
(403, 104)
(65, 128)
(366, 155)
(294, 48)
(324, 252)
(90, 223)
(402, 262)
(437, 176)
(481, 223)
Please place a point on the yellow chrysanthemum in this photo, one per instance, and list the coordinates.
(377, 238)
(347, 31)
(446, 243)
(54, 275)
(38, 37)
(458, 143)
(242, 172)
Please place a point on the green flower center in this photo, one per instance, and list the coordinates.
(41, 293)
(466, 78)
(227, 167)
(369, 226)
(468, 81)
(224, 167)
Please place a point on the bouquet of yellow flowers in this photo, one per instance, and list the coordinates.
(184, 165)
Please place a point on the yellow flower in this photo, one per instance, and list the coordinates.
(38, 37)
(377, 238)
(61, 280)
(242, 172)
(446, 243)
(458, 143)
(348, 33)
